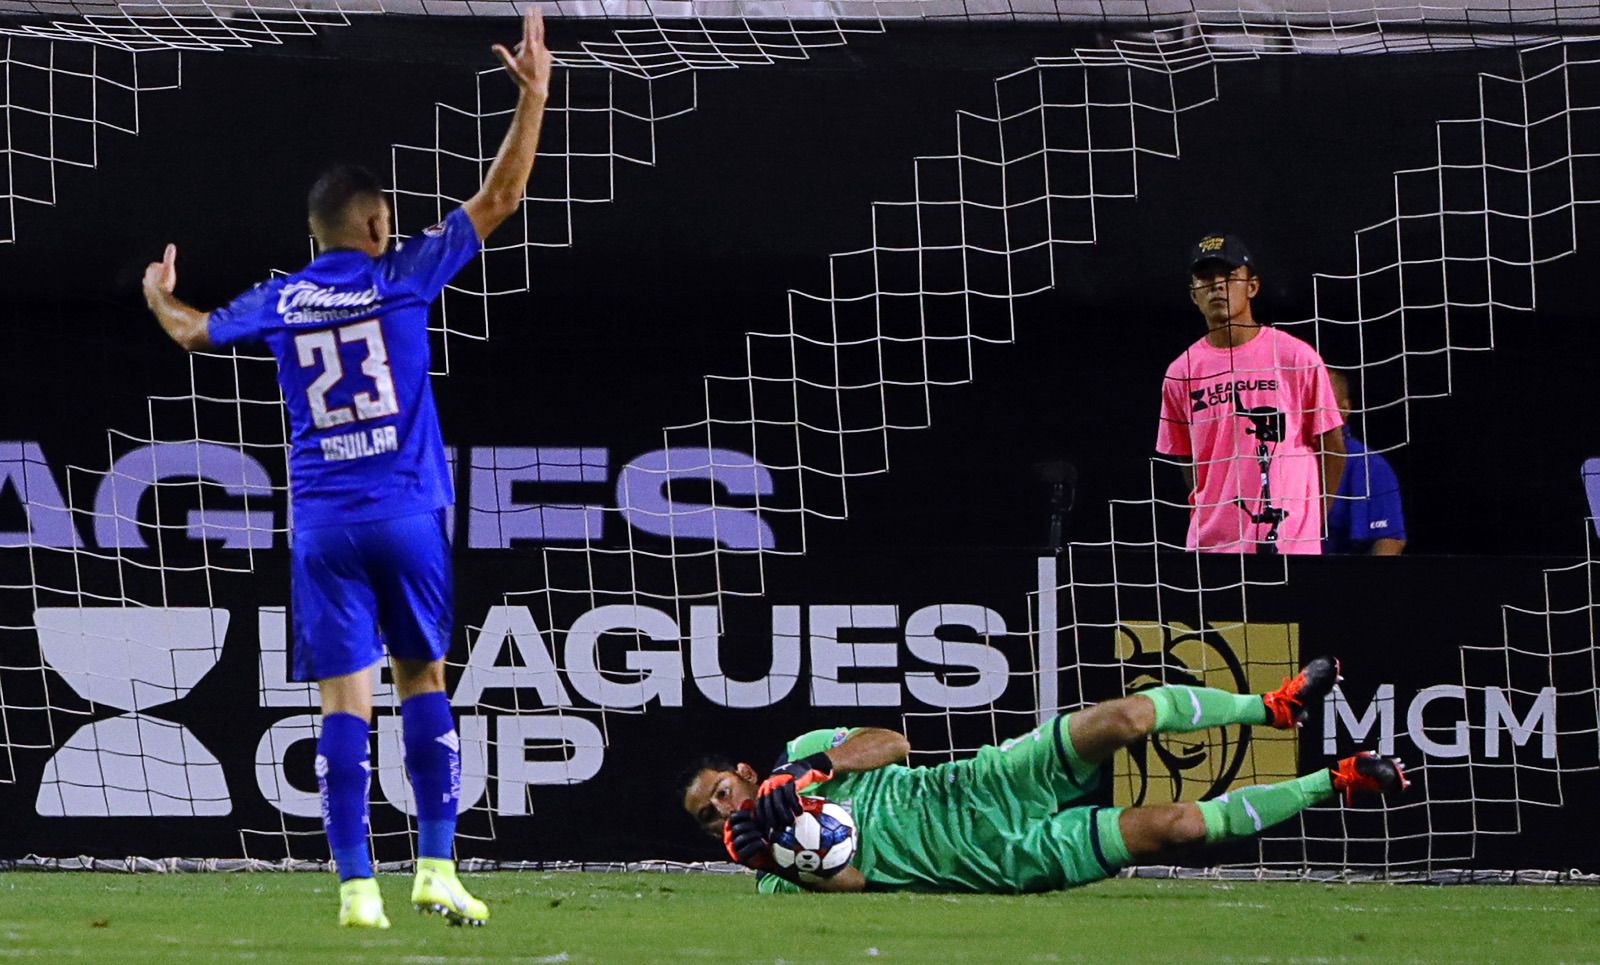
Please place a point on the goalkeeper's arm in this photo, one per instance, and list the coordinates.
(849, 879)
(507, 180)
(777, 801)
(747, 844)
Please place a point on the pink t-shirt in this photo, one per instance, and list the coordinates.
(1207, 402)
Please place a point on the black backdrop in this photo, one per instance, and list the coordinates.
(775, 170)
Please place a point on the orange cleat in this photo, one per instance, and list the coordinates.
(1286, 708)
(1369, 772)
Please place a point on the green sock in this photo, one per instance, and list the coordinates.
(1180, 709)
(1249, 810)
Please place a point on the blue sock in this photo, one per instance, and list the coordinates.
(433, 762)
(343, 777)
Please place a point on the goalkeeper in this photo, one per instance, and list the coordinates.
(1005, 821)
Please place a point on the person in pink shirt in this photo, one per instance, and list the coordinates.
(1250, 414)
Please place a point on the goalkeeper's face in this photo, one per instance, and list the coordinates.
(713, 795)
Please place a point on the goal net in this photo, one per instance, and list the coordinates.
(127, 569)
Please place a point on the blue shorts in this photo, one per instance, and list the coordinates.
(359, 588)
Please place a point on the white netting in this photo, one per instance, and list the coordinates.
(59, 100)
(977, 230)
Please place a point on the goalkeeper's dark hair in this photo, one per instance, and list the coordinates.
(710, 761)
(335, 189)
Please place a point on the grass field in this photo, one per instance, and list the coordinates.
(705, 918)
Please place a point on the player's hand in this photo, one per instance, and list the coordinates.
(778, 798)
(745, 843)
(529, 65)
(162, 276)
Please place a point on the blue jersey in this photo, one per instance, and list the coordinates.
(1369, 509)
(350, 334)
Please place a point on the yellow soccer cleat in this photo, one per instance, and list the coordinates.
(360, 904)
(438, 891)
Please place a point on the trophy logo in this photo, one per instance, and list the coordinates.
(1238, 657)
(135, 660)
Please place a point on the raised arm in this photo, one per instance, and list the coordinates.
(186, 325)
(507, 180)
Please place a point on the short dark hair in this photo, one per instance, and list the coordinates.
(336, 188)
(710, 761)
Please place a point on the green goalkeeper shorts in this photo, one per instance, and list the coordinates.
(1030, 784)
(1039, 767)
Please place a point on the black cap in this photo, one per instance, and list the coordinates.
(1217, 246)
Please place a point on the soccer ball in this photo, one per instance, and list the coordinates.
(820, 842)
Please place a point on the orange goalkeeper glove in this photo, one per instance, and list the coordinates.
(778, 798)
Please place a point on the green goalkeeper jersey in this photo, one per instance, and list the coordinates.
(970, 825)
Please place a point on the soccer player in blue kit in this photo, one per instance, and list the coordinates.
(368, 481)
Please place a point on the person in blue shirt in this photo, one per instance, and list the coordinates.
(369, 484)
(1366, 519)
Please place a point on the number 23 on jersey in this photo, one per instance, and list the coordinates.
(375, 404)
